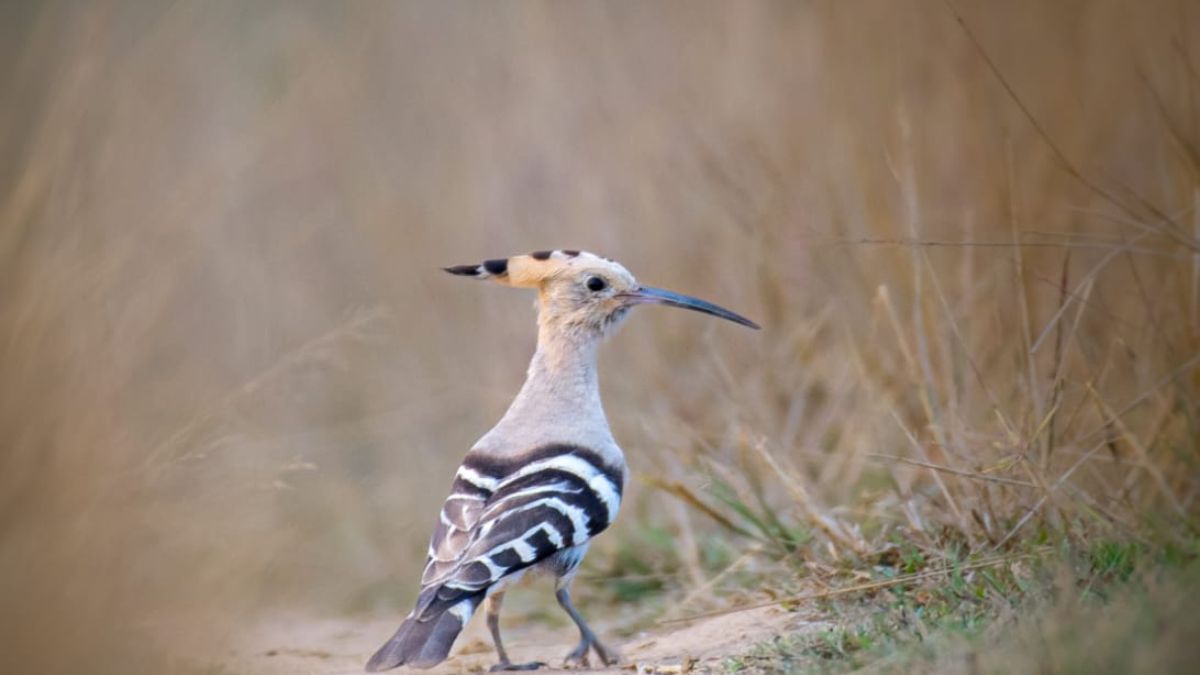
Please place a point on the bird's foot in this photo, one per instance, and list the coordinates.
(578, 658)
(608, 656)
(505, 665)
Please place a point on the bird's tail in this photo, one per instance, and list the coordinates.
(425, 638)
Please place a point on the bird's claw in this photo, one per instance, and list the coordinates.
(578, 658)
(505, 665)
(573, 661)
(608, 656)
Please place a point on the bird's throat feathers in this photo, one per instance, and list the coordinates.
(566, 353)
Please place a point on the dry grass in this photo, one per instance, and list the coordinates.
(1116, 608)
(235, 382)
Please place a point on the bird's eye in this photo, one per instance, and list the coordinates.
(596, 284)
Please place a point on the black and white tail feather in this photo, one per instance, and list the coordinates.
(505, 515)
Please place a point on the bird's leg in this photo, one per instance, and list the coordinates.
(493, 624)
(587, 639)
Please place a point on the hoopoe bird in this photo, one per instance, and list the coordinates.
(533, 491)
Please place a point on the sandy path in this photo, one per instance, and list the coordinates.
(297, 645)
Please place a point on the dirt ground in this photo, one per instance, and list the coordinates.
(296, 645)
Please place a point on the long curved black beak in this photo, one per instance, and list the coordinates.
(657, 296)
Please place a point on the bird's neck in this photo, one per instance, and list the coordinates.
(560, 400)
(562, 372)
(565, 357)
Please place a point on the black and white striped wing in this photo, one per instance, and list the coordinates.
(550, 499)
(456, 524)
(502, 516)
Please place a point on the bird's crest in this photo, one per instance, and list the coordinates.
(533, 269)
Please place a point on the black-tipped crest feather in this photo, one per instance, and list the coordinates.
(496, 267)
(463, 270)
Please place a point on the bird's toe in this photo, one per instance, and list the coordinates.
(608, 656)
(578, 658)
(504, 665)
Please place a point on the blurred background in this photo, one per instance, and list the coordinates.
(235, 382)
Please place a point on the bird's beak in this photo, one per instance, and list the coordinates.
(657, 296)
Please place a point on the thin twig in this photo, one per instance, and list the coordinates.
(945, 243)
(1086, 279)
(957, 472)
(1096, 448)
(859, 588)
(830, 527)
(1172, 229)
(351, 326)
(937, 478)
(1141, 398)
(718, 578)
(1143, 454)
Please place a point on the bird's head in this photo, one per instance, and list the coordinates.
(581, 291)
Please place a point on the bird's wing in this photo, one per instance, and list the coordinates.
(505, 514)
(457, 520)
